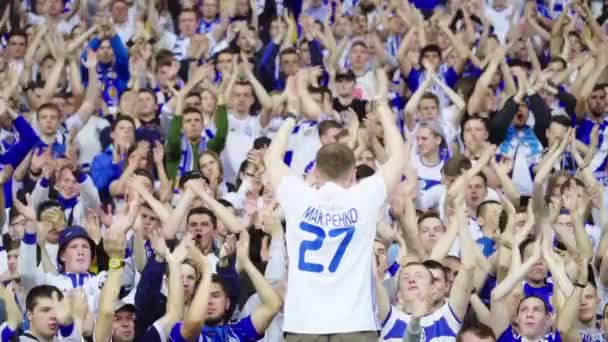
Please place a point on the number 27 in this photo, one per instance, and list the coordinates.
(317, 244)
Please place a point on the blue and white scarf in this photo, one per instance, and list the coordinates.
(516, 139)
(186, 163)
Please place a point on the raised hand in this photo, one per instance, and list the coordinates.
(63, 308)
(242, 250)
(158, 243)
(80, 304)
(91, 61)
(158, 153)
(92, 224)
(114, 243)
(179, 254)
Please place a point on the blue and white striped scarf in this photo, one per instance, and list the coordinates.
(516, 139)
(186, 163)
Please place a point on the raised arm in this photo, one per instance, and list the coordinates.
(197, 312)
(273, 158)
(463, 284)
(391, 170)
(115, 244)
(271, 302)
(175, 299)
(223, 214)
(501, 310)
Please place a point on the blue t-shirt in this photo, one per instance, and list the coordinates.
(241, 331)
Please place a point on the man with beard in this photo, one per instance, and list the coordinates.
(596, 103)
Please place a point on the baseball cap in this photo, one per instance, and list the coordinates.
(347, 75)
(121, 305)
(70, 233)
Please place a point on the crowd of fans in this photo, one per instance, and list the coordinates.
(441, 168)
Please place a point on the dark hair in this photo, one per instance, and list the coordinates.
(502, 219)
(288, 51)
(545, 304)
(429, 214)
(46, 205)
(429, 48)
(561, 120)
(435, 265)
(529, 240)
(120, 118)
(40, 291)
(189, 176)
(358, 43)
(202, 211)
(225, 203)
(558, 59)
(479, 330)
(429, 96)
(144, 173)
(149, 91)
(17, 33)
(222, 52)
(468, 118)
(482, 176)
(364, 171)
(326, 125)
(454, 166)
(192, 110)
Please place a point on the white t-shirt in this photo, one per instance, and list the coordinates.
(330, 236)
(241, 135)
(365, 88)
(87, 139)
(304, 143)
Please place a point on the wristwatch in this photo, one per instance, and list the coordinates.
(116, 264)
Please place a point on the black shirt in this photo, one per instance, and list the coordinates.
(358, 106)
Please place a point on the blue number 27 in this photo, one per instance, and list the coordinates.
(317, 244)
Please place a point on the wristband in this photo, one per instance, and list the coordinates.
(291, 115)
(35, 174)
(116, 264)
(582, 286)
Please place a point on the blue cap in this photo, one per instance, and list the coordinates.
(70, 233)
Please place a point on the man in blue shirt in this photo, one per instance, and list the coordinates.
(113, 67)
(108, 165)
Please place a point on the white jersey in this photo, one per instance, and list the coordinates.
(429, 176)
(330, 236)
(304, 143)
(239, 141)
(439, 326)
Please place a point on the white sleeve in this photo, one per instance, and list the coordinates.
(30, 274)
(429, 199)
(89, 195)
(276, 266)
(40, 193)
(4, 261)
